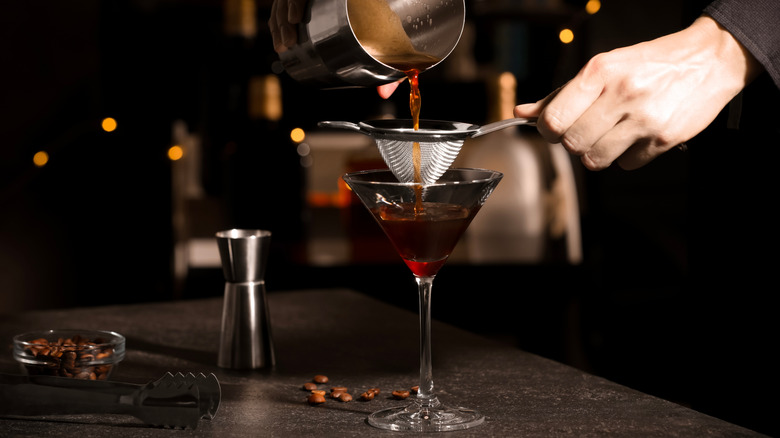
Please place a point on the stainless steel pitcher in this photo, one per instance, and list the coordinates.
(329, 55)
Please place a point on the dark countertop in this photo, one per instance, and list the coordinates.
(359, 342)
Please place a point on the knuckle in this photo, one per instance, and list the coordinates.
(551, 125)
(573, 143)
(594, 164)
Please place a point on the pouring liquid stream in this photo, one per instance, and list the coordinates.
(415, 101)
(413, 64)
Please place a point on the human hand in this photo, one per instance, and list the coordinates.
(632, 104)
(285, 15)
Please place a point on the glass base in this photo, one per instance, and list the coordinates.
(416, 418)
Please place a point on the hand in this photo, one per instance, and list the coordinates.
(285, 15)
(634, 103)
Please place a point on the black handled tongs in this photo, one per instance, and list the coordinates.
(173, 401)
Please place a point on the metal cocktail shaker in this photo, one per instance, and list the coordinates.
(245, 341)
(329, 54)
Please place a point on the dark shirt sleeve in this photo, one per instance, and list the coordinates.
(755, 24)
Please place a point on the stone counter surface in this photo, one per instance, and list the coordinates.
(358, 342)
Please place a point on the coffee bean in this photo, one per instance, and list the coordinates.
(309, 386)
(319, 378)
(65, 357)
(345, 397)
(316, 399)
(415, 389)
(367, 396)
(400, 394)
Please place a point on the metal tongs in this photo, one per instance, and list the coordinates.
(173, 401)
(440, 142)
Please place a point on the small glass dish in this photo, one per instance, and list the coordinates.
(78, 354)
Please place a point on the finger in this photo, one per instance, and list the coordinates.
(620, 140)
(287, 31)
(571, 101)
(286, 35)
(289, 35)
(527, 110)
(295, 11)
(641, 152)
(273, 27)
(387, 90)
(599, 119)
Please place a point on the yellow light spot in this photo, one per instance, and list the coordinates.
(566, 36)
(40, 158)
(297, 135)
(175, 152)
(108, 124)
(592, 6)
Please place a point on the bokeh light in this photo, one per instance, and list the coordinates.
(108, 124)
(41, 158)
(175, 152)
(592, 6)
(297, 135)
(566, 36)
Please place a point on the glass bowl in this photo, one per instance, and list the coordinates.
(78, 354)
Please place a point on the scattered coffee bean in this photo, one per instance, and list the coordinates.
(367, 396)
(319, 392)
(375, 390)
(400, 394)
(415, 389)
(316, 399)
(345, 397)
(319, 378)
(309, 386)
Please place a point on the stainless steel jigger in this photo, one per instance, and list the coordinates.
(245, 342)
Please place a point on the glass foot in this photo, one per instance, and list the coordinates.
(417, 418)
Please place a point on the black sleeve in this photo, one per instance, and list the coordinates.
(755, 24)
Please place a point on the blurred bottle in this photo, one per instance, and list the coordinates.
(529, 217)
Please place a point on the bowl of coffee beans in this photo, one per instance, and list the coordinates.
(78, 354)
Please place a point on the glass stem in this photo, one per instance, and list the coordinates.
(425, 396)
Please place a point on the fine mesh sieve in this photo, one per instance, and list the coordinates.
(440, 142)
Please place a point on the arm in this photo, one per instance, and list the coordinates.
(754, 24)
(632, 104)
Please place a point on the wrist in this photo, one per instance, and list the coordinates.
(732, 61)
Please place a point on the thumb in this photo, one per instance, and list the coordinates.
(534, 109)
(528, 110)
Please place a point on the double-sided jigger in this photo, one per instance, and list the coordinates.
(245, 341)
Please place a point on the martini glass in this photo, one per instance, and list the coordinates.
(424, 222)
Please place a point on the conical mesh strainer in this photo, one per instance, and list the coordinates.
(440, 142)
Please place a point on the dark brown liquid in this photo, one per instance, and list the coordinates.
(424, 238)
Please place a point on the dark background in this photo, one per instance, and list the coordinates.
(673, 295)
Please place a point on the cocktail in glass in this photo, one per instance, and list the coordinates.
(424, 223)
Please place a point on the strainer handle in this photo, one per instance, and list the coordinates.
(342, 125)
(501, 124)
